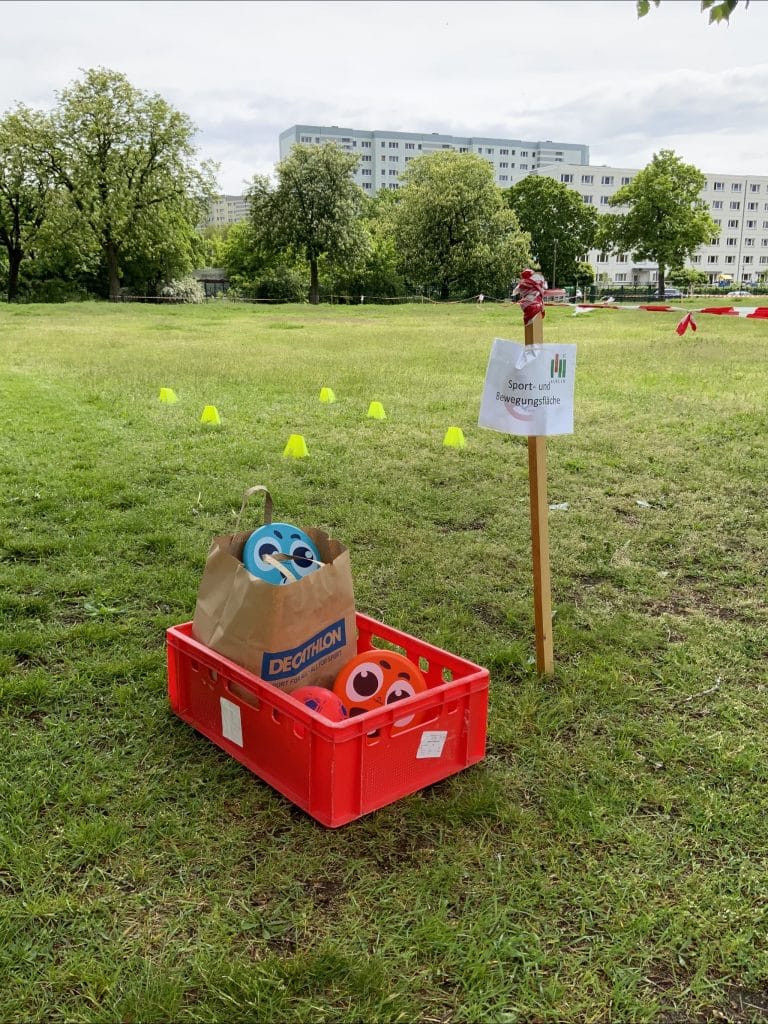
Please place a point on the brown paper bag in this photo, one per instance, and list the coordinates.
(293, 635)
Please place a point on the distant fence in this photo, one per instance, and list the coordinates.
(592, 294)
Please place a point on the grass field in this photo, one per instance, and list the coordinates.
(606, 862)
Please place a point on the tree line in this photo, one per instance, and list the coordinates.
(105, 193)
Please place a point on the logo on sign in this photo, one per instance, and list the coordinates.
(557, 367)
(283, 664)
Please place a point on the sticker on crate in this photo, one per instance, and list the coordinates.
(231, 723)
(432, 743)
(279, 666)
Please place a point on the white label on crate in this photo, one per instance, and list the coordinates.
(431, 744)
(231, 724)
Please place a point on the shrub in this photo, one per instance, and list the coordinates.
(183, 289)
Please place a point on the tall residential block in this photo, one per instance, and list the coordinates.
(738, 204)
(384, 155)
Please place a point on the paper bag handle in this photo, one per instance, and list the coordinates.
(247, 495)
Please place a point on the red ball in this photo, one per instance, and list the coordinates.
(324, 702)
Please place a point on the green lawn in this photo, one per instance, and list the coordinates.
(606, 862)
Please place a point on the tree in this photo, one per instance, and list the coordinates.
(378, 274)
(312, 212)
(666, 219)
(25, 189)
(719, 10)
(125, 160)
(688, 277)
(454, 233)
(561, 225)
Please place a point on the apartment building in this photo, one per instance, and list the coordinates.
(226, 210)
(385, 155)
(738, 204)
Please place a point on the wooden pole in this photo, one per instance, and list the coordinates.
(537, 476)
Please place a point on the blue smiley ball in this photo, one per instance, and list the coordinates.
(275, 539)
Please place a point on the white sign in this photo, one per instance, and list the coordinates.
(231, 724)
(431, 744)
(529, 389)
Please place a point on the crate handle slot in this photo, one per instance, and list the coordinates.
(244, 694)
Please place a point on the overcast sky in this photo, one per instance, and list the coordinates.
(567, 71)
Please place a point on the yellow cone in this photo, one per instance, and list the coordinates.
(168, 395)
(454, 438)
(376, 411)
(210, 415)
(296, 447)
(327, 395)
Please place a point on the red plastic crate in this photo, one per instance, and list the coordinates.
(335, 771)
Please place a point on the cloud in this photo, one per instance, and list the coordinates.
(580, 72)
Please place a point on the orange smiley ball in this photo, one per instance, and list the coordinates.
(375, 679)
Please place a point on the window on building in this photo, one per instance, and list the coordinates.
(383, 145)
(366, 170)
(367, 184)
(366, 159)
(621, 277)
(393, 172)
(730, 259)
(418, 145)
(463, 149)
(606, 179)
(749, 242)
(747, 259)
(730, 241)
(718, 186)
(523, 152)
(626, 180)
(602, 258)
(604, 200)
(394, 145)
(587, 179)
(733, 223)
(365, 145)
(713, 241)
(345, 140)
(394, 159)
(764, 242)
(523, 167)
(696, 258)
(512, 152)
(503, 152)
(711, 259)
(719, 222)
(754, 188)
(736, 205)
(587, 200)
(503, 163)
(764, 259)
(503, 177)
(622, 257)
(488, 149)
(512, 164)
(566, 178)
(383, 157)
(751, 224)
(717, 204)
(735, 186)
(410, 145)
